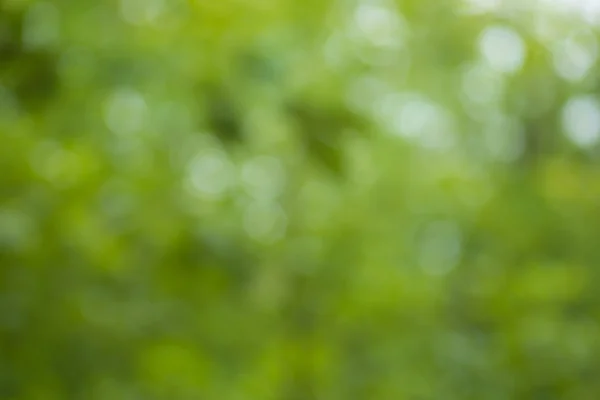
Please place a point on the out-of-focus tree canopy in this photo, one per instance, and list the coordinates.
(294, 200)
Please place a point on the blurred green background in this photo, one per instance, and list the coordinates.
(286, 199)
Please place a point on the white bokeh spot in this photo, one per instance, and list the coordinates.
(417, 119)
(574, 56)
(210, 174)
(502, 48)
(581, 120)
(482, 85)
(378, 23)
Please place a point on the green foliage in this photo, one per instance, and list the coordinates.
(298, 200)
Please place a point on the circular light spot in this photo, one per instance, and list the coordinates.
(415, 116)
(482, 85)
(418, 119)
(502, 48)
(210, 174)
(589, 10)
(575, 56)
(125, 111)
(378, 24)
(581, 120)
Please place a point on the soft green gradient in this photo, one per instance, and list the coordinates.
(294, 200)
